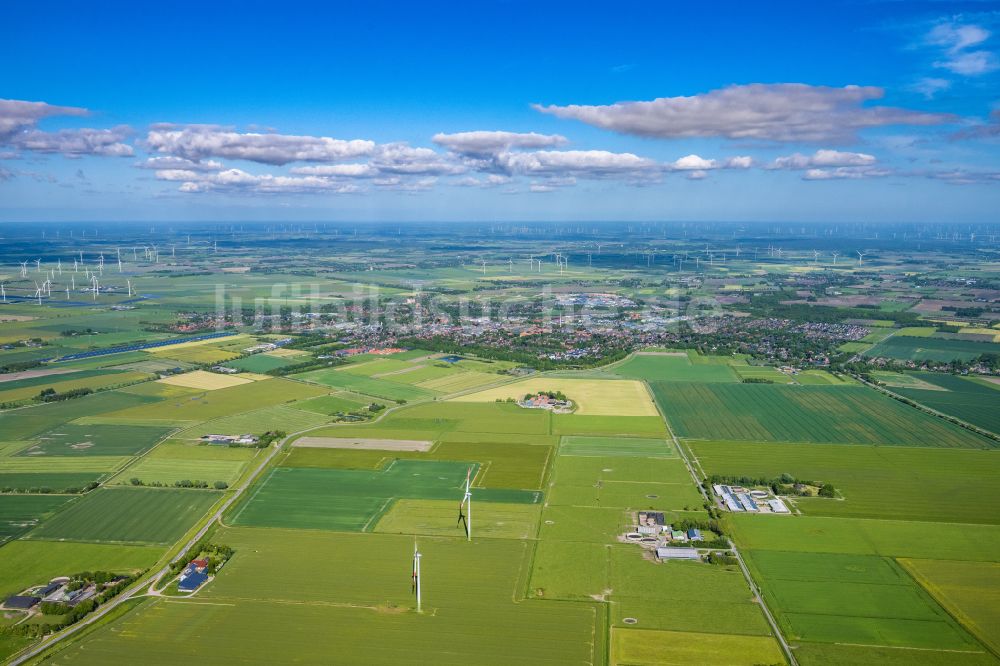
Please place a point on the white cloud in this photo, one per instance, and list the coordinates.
(585, 163)
(170, 162)
(403, 159)
(196, 142)
(491, 180)
(845, 173)
(338, 170)
(929, 87)
(78, 142)
(739, 162)
(955, 40)
(482, 143)
(772, 112)
(237, 180)
(700, 174)
(823, 158)
(693, 163)
(18, 115)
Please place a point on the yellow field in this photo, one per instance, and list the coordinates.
(206, 381)
(283, 353)
(594, 397)
(641, 647)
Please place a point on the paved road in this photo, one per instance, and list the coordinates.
(739, 558)
(154, 578)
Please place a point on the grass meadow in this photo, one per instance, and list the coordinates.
(766, 412)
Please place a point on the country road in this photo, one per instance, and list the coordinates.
(152, 579)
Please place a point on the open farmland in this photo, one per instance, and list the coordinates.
(674, 368)
(207, 381)
(874, 482)
(641, 647)
(909, 348)
(95, 440)
(379, 388)
(61, 385)
(20, 513)
(223, 402)
(29, 421)
(854, 599)
(970, 591)
(957, 396)
(128, 515)
(352, 500)
(764, 412)
(592, 397)
(277, 417)
(24, 563)
(360, 606)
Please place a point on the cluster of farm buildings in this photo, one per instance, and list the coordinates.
(738, 499)
(57, 590)
(194, 575)
(652, 531)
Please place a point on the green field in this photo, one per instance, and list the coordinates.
(438, 518)
(207, 405)
(910, 348)
(128, 515)
(54, 481)
(622, 482)
(168, 471)
(674, 368)
(768, 412)
(344, 583)
(333, 404)
(25, 563)
(854, 599)
(29, 421)
(95, 440)
(62, 383)
(261, 363)
(257, 421)
(970, 591)
(352, 499)
(379, 388)
(615, 446)
(20, 513)
(575, 424)
(964, 399)
(875, 482)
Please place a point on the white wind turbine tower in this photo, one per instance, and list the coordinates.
(24, 269)
(484, 267)
(835, 255)
(815, 256)
(38, 294)
(465, 517)
(861, 256)
(510, 264)
(129, 283)
(416, 574)
(38, 265)
(95, 286)
(59, 265)
(3, 292)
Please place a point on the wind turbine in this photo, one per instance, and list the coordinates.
(835, 255)
(3, 292)
(815, 256)
(416, 574)
(38, 265)
(38, 293)
(484, 267)
(96, 286)
(861, 256)
(466, 503)
(510, 264)
(59, 264)
(24, 269)
(129, 282)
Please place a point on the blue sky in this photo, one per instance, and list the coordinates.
(856, 111)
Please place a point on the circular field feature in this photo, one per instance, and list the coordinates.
(758, 494)
(550, 522)
(630, 620)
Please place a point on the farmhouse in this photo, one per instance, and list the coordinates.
(543, 400)
(193, 576)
